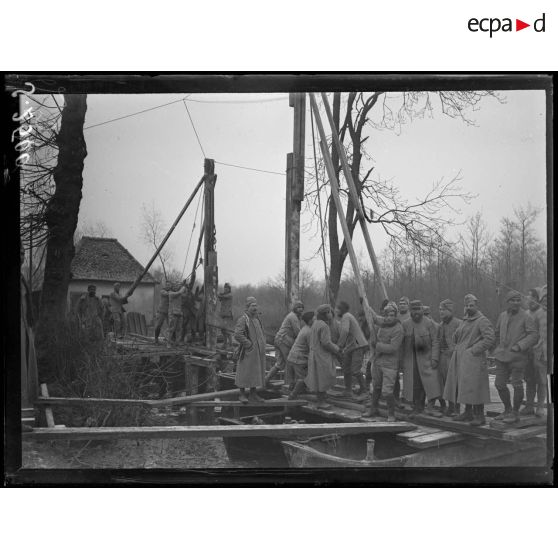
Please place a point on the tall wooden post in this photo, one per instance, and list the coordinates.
(210, 268)
(288, 230)
(294, 198)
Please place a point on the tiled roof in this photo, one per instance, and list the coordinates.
(105, 259)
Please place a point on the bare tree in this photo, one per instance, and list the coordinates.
(524, 219)
(474, 248)
(417, 222)
(152, 231)
(98, 229)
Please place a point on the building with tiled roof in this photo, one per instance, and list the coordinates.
(103, 262)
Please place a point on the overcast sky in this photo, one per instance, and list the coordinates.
(154, 157)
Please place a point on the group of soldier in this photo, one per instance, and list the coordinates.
(182, 308)
(97, 316)
(441, 366)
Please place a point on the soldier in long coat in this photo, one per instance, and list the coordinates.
(447, 327)
(467, 380)
(353, 343)
(537, 368)
(250, 367)
(297, 361)
(175, 314)
(117, 310)
(284, 340)
(163, 310)
(90, 312)
(515, 335)
(404, 315)
(322, 363)
(226, 314)
(420, 357)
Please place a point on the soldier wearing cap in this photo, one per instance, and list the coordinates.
(403, 307)
(537, 369)
(353, 343)
(226, 314)
(175, 314)
(117, 302)
(90, 312)
(420, 357)
(447, 327)
(250, 367)
(515, 335)
(386, 344)
(163, 310)
(322, 356)
(467, 380)
(284, 340)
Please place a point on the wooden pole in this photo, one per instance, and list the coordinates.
(341, 215)
(295, 196)
(288, 224)
(354, 195)
(219, 431)
(210, 270)
(163, 242)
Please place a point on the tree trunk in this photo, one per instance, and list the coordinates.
(63, 208)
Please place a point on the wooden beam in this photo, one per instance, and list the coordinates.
(48, 411)
(163, 242)
(183, 400)
(68, 401)
(354, 195)
(341, 213)
(266, 403)
(214, 431)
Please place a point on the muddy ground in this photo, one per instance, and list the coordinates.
(125, 454)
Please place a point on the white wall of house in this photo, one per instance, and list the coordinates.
(142, 301)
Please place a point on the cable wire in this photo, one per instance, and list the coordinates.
(194, 127)
(250, 168)
(135, 113)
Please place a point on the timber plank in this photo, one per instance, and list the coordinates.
(435, 439)
(524, 433)
(420, 431)
(218, 431)
(266, 403)
(523, 423)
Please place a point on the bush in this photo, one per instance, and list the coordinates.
(75, 366)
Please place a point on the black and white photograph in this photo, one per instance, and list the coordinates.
(347, 273)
